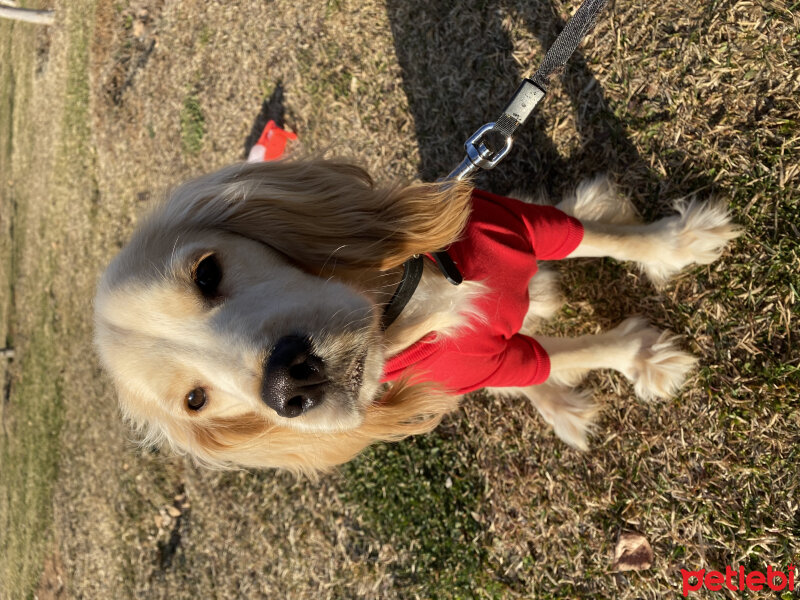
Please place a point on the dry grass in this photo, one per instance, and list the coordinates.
(671, 99)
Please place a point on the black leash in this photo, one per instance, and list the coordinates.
(492, 142)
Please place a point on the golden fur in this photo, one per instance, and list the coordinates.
(357, 230)
(315, 247)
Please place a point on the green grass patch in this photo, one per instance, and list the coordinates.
(6, 102)
(32, 412)
(30, 465)
(423, 496)
(7, 92)
(193, 124)
(76, 118)
(205, 35)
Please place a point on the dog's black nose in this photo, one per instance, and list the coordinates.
(294, 379)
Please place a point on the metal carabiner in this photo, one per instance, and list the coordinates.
(478, 155)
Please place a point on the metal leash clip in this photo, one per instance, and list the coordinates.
(479, 154)
(492, 142)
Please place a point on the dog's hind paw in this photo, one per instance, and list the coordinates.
(659, 368)
(570, 412)
(597, 200)
(696, 235)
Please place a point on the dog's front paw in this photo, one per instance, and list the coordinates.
(696, 235)
(658, 367)
(661, 368)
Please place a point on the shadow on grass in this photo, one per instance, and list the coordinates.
(272, 109)
(459, 72)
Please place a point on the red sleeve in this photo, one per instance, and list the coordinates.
(522, 362)
(552, 233)
(462, 367)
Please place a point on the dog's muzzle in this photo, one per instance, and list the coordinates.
(294, 379)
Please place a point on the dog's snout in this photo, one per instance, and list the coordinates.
(294, 379)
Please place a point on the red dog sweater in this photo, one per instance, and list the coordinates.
(500, 246)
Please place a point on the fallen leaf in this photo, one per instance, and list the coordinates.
(633, 553)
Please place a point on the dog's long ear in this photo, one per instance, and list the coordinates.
(322, 212)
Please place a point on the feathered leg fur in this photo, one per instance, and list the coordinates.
(646, 356)
(697, 234)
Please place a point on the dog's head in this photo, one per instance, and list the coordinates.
(241, 324)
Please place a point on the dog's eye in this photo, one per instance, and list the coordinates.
(196, 399)
(207, 276)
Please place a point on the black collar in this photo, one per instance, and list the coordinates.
(412, 273)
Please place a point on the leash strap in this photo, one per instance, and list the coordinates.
(577, 28)
(532, 90)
